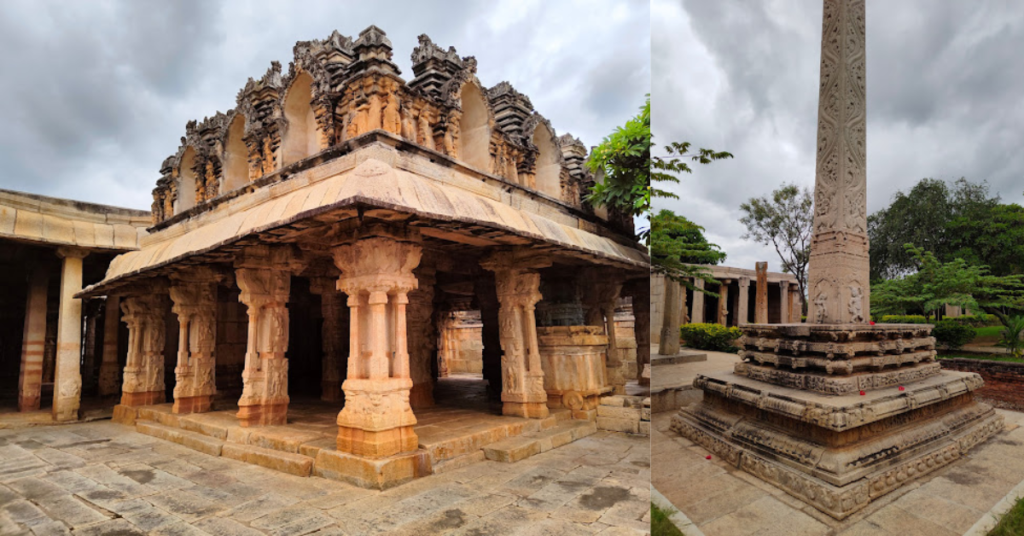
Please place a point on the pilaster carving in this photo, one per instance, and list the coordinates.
(263, 274)
(194, 294)
(144, 371)
(518, 290)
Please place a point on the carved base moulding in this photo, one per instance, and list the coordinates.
(263, 414)
(377, 420)
(778, 467)
(147, 398)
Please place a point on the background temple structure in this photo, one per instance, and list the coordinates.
(839, 411)
(318, 256)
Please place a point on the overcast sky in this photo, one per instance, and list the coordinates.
(95, 94)
(945, 86)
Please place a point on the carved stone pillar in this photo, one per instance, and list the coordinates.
(698, 302)
(422, 337)
(263, 274)
(723, 302)
(194, 294)
(144, 372)
(761, 299)
(377, 275)
(670, 322)
(335, 313)
(109, 377)
(30, 378)
(518, 289)
(743, 308)
(783, 302)
(67, 383)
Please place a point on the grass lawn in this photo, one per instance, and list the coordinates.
(1012, 524)
(982, 357)
(987, 335)
(660, 525)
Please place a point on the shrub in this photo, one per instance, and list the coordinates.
(978, 321)
(1013, 336)
(714, 337)
(904, 319)
(951, 334)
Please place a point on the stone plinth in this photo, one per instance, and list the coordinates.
(573, 359)
(794, 414)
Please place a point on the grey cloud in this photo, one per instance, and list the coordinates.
(945, 81)
(96, 94)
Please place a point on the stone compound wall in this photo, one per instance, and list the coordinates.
(469, 350)
(1004, 382)
(629, 414)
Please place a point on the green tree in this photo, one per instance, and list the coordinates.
(785, 221)
(931, 216)
(677, 242)
(624, 158)
(936, 283)
(993, 237)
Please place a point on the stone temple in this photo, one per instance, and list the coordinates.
(293, 301)
(839, 412)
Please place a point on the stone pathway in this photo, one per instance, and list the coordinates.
(724, 501)
(102, 478)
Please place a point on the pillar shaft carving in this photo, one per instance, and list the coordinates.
(377, 275)
(837, 282)
(67, 392)
(263, 274)
(601, 290)
(698, 301)
(30, 378)
(143, 382)
(723, 302)
(743, 307)
(335, 320)
(194, 295)
(761, 299)
(518, 288)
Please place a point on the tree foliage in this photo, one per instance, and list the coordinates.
(958, 220)
(784, 221)
(677, 244)
(624, 158)
(957, 282)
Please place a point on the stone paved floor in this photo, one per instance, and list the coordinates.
(724, 501)
(101, 478)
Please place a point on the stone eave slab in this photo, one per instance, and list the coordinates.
(54, 222)
(372, 183)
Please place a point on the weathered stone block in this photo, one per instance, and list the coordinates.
(286, 462)
(619, 413)
(380, 473)
(629, 426)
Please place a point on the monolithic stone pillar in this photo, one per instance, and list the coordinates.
(490, 333)
(518, 289)
(109, 379)
(67, 383)
(640, 291)
(838, 272)
(743, 307)
(723, 302)
(30, 378)
(684, 311)
(761, 296)
(194, 294)
(784, 302)
(332, 336)
(698, 301)
(263, 274)
(422, 337)
(670, 322)
(795, 304)
(377, 275)
(144, 370)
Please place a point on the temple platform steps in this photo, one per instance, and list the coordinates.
(449, 438)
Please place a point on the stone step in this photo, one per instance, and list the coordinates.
(286, 462)
(192, 440)
(519, 448)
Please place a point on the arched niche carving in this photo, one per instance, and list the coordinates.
(548, 177)
(186, 181)
(236, 156)
(474, 129)
(301, 139)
